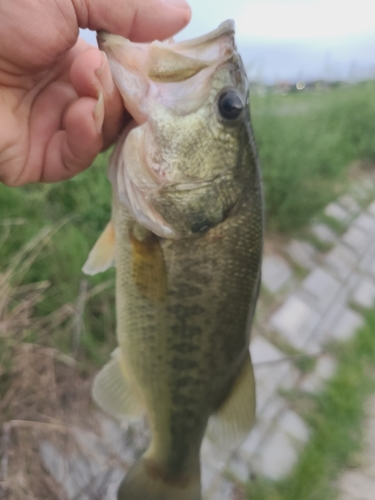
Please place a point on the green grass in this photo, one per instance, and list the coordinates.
(335, 418)
(86, 200)
(306, 142)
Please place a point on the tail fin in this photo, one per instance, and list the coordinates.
(143, 482)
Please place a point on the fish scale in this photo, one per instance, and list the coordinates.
(188, 251)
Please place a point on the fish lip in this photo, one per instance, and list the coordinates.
(225, 28)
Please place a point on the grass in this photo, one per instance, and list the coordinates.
(306, 143)
(335, 418)
(85, 201)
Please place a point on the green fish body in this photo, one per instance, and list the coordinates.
(186, 235)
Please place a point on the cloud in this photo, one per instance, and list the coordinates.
(318, 19)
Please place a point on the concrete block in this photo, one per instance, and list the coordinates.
(208, 475)
(274, 408)
(323, 233)
(268, 379)
(350, 204)
(239, 468)
(341, 261)
(337, 212)
(222, 489)
(275, 273)
(322, 287)
(371, 209)
(346, 325)
(252, 442)
(354, 485)
(302, 253)
(356, 239)
(294, 426)
(324, 370)
(277, 456)
(364, 295)
(365, 222)
(295, 321)
(263, 351)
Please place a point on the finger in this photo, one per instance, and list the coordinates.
(44, 120)
(72, 150)
(90, 74)
(139, 20)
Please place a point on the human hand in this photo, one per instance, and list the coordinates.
(58, 105)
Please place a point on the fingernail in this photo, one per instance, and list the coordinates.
(177, 4)
(99, 113)
(104, 75)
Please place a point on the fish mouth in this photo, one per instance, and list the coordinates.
(177, 74)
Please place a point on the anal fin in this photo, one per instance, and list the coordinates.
(102, 255)
(233, 421)
(113, 393)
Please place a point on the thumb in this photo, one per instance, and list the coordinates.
(139, 20)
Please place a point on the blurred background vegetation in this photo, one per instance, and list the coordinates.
(307, 143)
(57, 326)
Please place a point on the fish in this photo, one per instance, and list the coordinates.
(186, 236)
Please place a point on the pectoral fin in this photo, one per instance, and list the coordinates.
(148, 266)
(234, 420)
(113, 393)
(102, 256)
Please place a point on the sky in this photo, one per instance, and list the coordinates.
(294, 40)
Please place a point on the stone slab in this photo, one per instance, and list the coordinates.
(371, 209)
(276, 272)
(354, 485)
(324, 370)
(239, 469)
(295, 321)
(253, 441)
(356, 239)
(346, 325)
(294, 426)
(263, 351)
(350, 204)
(364, 294)
(366, 263)
(275, 407)
(322, 287)
(341, 261)
(277, 456)
(323, 233)
(365, 222)
(269, 378)
(302, 253)
(337, 212)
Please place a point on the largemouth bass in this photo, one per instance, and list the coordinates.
(186, 235)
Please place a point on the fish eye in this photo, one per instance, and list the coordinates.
(230, 105)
